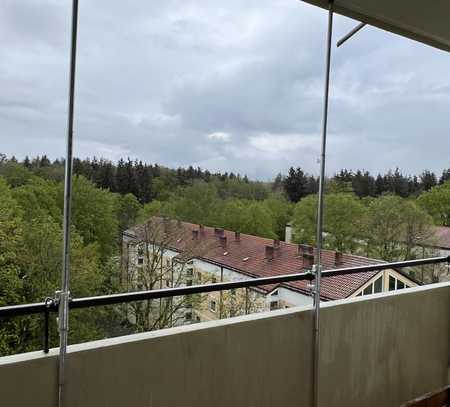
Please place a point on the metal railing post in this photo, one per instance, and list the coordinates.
(65, 278)
(318, 265)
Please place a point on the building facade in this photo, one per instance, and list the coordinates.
(165, 253)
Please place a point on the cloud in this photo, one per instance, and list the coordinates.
(219, 136)
(234, 86)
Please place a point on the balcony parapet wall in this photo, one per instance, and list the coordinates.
(375, 351)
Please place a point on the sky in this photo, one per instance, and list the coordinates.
(228, 86)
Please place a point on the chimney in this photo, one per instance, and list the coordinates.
(338, 259)
(308, 261)
(237, 236)
(218, 231)
(202, 229)
(276, 244)
(194, 234)
(288, 233)
(223, 241)
(269, 252)
(305, 249)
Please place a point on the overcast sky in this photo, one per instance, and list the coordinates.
(231, 86)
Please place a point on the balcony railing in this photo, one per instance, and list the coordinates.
(50, 305)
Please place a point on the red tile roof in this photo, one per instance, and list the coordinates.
(248, 256)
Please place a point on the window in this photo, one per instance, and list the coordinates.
(375, 287)
(168, 282)
(273, 305)
(396, 284)
(199, 276)
(368, 290)
(140, 260)
(189, 272)
(197, 318)
(188, 283)
(212, 306)
(391, 283)
(275, 292)
(378, 285)
(188, 316)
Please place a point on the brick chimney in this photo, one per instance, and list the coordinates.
(338, 259)
(237, 236)
(269, 252)
(305, 249)
(195, 234)
(308, 261)
(218, 231)
(223, 241)
(276, 244)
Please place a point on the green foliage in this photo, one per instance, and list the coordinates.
(437, 203)
(93, 214)
(38, 199)
(256, 220)
(304, 220)
(394, 227)
(343, 221)
(197, 204)
(281, 213)
(14, 173)
(128, 209)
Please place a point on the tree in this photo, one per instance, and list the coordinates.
(11, 234)
(428, 180)
(281, 212)
(256, 220)
(395, 227)
(128, 209)
(15, 174)
(295, 184)
(436, 202)
(343, 219)
(198, 204)
(156, 268)
(94, 215)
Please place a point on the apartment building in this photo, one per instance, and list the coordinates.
(186, 254)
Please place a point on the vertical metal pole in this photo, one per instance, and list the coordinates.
(46, 329)
(318, 265)
(65, 280)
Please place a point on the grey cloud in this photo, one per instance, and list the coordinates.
(155, 79)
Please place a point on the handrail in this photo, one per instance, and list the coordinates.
(111, 299)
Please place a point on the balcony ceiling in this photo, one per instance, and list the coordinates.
(426, 21)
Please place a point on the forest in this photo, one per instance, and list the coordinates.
(386, 216)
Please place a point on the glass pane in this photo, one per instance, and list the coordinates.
(378, 285)
(368, 290)
(400, 285)
(391, 283)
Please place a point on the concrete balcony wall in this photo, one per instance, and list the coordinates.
(375, 351)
